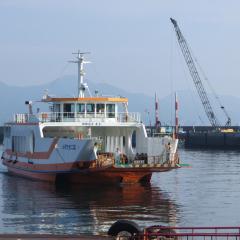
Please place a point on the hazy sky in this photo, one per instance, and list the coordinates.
(132, 42)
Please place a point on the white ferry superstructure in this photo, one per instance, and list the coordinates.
(85, 139)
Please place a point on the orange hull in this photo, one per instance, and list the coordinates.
(108, 176)
(88, 177)
(42, 177)
(73, 174)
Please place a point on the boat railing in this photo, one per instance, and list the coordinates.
(78, 117)
(24, 118)
(162, 134)
(168, 232)
(129, 117)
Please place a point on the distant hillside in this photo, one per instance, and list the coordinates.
(16, 96)
(191, 111)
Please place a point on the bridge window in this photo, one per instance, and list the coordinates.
(100, 108)
(110, 110)
(81, 108)
(90, 108)
(68, 109)
(56, 107)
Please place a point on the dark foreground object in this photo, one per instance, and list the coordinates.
(128, 230)
(124, 228)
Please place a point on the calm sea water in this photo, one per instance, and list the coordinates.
(208, 193)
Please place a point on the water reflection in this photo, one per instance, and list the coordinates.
(204, 195)
(39, 207)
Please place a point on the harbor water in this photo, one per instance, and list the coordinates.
(207, 194)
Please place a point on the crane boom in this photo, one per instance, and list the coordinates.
(195, 75)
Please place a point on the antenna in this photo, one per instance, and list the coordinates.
(80, 61)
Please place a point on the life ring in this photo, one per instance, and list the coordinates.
(124, 228)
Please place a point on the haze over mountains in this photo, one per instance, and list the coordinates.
(190, 109)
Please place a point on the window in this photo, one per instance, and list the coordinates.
(110, 110)
(134, 139)
(124, 141)
(81, 108)
(56, 107)
(100, 109)
(90, 108)
(68, 109)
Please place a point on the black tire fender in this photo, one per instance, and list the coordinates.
(124, 226)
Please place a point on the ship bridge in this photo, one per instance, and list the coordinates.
(89, 109)
(86, 111)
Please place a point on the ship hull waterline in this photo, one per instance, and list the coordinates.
(89, 175)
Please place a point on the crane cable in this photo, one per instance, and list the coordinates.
(211, 88)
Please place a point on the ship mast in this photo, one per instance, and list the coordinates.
(81, 61)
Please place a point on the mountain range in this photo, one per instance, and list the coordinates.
(191, 111)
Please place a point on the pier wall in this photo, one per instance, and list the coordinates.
(211, 137)
(212, 140)
(208, 136)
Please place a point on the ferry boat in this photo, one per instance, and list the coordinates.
(85, 139)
